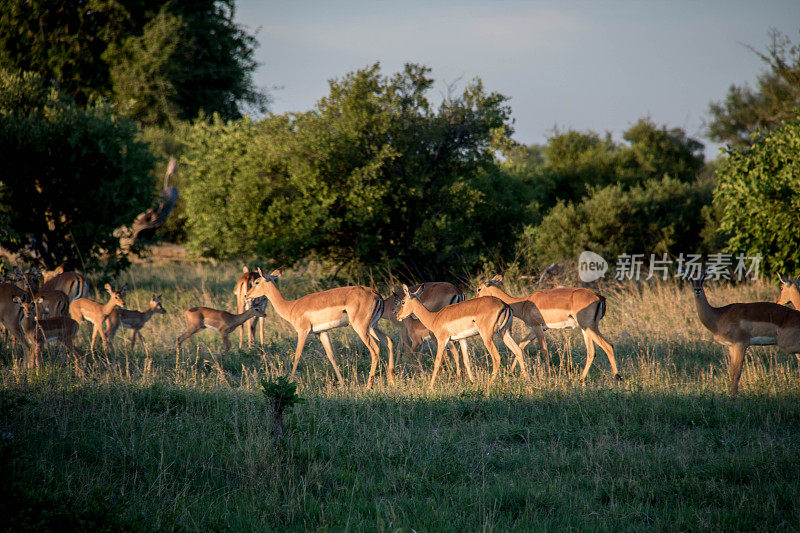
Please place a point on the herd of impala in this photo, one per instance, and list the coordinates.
(35, 314)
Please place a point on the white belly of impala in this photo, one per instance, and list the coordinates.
(763, 341)
(465, 334)
(571, 323)
(324, 326)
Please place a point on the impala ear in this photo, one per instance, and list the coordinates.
(497, 279)
(276, 273)
(245, 270)
(405, 289)
(783, 279)
(260, 273)
(59, 269)
(108, 287)
(124, 288)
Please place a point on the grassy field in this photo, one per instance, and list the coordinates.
(132, 440)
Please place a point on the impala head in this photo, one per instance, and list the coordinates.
(155, 305)
(259, 287)
(260, 305)
(50, 274)
(484, 287)
(790, 290)
(697, 284)
(29, 280)
(404, 307)
(27, 307)
(116, 296)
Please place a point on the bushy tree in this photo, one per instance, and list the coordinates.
(776, 97)
(158, 60)
(758, 193)
(373, 176)
(69, 176)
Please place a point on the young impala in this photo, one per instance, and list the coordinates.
(565, 307)
(97, 313)
(224, 323)
(741, 325)
(243, 285)
(484, 316)
(40, 331)
(319, 312)
(134, 320)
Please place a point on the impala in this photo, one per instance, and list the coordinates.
(360, 307)
(40, 331)
(790, 292)
(565, 307)
(436, 296)
(70, 283)
(131, 319)
(740, 325)
(96, 313)
(224, 323)
(243, 285)
(54, 302)
(10, 311)
(482, 316)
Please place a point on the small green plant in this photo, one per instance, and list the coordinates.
(282, 396)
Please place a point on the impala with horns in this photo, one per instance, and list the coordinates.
(223, 322)
(97, 313)
(40, 331)
(436, 296)
(740, 325)
(565, 307)
(243, 284)
(70, 283)
(357, 306)
(484, 316)
(790, 292)
(131, 319)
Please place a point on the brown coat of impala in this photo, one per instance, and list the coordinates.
(97, 313)
(131, 319)
(319, 312)
(436, 296)
(223, 322)
(243, 285)
(54, 302)
(484, 316)
(70, 283)
(565, 307)
(40, 331)
(10, 311)
(740, 325)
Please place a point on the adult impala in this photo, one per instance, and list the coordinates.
(11, 312)
(243, 285)
(484, 316)
(70, 283)
(223, 322)
(134, 320)
(740, 325)
(97, 313)
(40, 331)
(565, 307)
(319, 312)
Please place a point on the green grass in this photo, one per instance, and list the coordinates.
(132, 441)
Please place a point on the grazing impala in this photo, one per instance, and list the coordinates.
(96, 313)
(360, 307)
(131, 319)
(565, 307)
(790, 292)
(740, 325)
(198, 318)
(40, 331)
(483, 316)
(243, 285)
(436, 296)
(70, 283)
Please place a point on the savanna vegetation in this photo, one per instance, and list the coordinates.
(380, 182)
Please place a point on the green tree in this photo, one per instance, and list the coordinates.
(69, 177)
(156, 59)
(758, 194)
(776, 97)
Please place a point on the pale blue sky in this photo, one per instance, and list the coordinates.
(583, 65)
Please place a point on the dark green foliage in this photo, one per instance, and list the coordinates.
(157, 60)
(776, 98)
(758, 194)
(659, 216)
(70, 176)
(374, 176)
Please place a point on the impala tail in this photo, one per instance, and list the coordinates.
(601, 308)
(376, 314)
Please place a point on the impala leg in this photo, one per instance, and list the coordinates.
(488, 342)
(226, 344)
(735, 366)
(374, 351)
(378, 334)
(607, 347)
(183, 336)
(133, 338)
(441, 346)
(514, 347)
(301, 341)
(465, 354)
(451, 348)
(326, 343)
(589, 353)
(95, 331)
